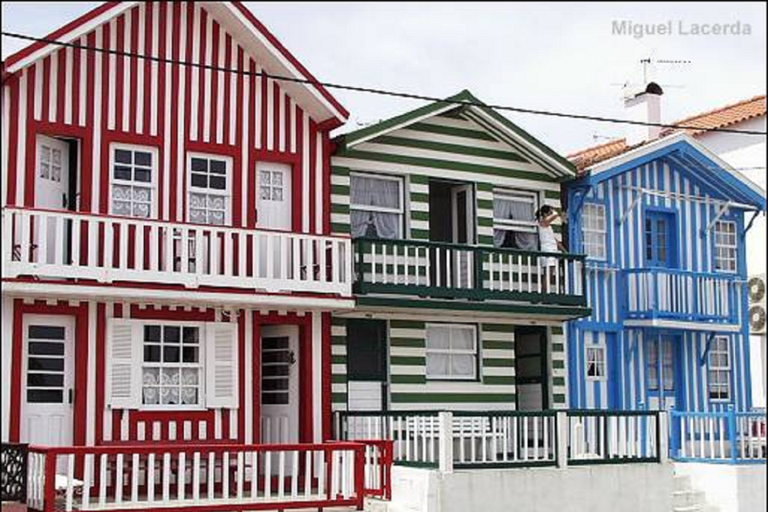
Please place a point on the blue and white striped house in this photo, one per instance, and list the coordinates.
(663, 226)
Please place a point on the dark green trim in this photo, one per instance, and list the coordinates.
(498, 328)
(498, 345)
(408, 379)
(498, 363)
(406, 324)
(383, 302)
(407, 361)
(407, 342)
(444, 147)
(337, 359)
(494, 380)
(454, 132)
(486, 397)
(435, 163)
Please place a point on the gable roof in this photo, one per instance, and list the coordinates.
(723, 117)
(683, 151)
(244, 26)
(474, 110)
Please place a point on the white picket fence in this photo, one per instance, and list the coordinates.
(464, 439)
(147, 477)
(104, 248)
(719, 436)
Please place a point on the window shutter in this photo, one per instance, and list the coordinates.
(221, 365)
(124, 366)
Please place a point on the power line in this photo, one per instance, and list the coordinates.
(372, 90)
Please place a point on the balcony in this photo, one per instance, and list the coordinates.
(455, 271)
(105, 249)
(681, 295)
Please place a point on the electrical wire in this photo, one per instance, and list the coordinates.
(371, 90)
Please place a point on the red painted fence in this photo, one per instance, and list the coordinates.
(208, 477)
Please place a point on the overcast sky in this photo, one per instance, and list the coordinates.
(561, 57)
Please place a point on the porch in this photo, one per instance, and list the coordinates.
(97, 249)
(438, 270)
(203, 476)
(681, 295)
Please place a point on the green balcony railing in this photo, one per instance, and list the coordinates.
(445, 270)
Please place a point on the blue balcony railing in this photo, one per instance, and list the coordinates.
(682, 295)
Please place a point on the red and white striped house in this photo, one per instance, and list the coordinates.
(168, 269)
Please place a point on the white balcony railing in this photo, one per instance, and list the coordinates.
(56, 244)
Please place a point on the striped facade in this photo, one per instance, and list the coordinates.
(450, 144)
(94, 100)
(696, 196)
(101, 99)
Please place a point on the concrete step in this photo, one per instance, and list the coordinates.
(689, 498)
(682, 483)
(374, 505)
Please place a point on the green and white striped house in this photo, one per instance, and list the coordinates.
(456, 308)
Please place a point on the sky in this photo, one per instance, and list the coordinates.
(547, 56)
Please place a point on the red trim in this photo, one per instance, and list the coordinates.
(162, 71)
(326, 184)
(165, 313)
(237, 199)
(147, 92)
(86, 159)
(45, 112)
(106, 77)
(251, 144)
(37, 45)
(101, 344)
(75, 92)
(241, 377)
(13, 140)
(298, 186)
(256, 372)
(327, 388)
(306, 413)
(201, 76)
(119, 74)
(214, 81)
(134, 63)
(273, 40)
(227, 87)
(81, 376)
(14, 430)
(173, 196)
(31, 143)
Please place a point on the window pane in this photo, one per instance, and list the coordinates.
(463, 366)
(122, 156)
(371, 191)
(437, 364)
(199, 165)
(123, 173)
(438, 337)
(218, 167)
(143, 158)
(462, 339)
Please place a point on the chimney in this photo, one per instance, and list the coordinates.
(643, 105)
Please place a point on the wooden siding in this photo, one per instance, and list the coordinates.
(607, 290)
(101, 99)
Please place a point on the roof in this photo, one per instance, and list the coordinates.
(476, 111)
(723, 117)
(685, 152)
(248, 30)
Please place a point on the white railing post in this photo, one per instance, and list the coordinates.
(445, 441)
(561, 428)
(663, 432)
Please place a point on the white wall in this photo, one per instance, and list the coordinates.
(730, 488)
(747, 151)
(604, 488)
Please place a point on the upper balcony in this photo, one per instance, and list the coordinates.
(439, 270)
(665, 294)
(59, 245)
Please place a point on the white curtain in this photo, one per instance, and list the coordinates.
(507, 209)
(378, 193)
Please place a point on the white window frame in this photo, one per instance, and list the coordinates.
(381, 209)
(727, 369)
(602, 255)
(731, 249)
(516, 225)
(600, 362)
(475, 352)
(152, 185)
(226, 193)
(201, 365)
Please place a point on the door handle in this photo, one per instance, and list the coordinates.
(293, 358)
(64, 201)
(71, 393)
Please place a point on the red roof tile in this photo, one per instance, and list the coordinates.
(722, 117)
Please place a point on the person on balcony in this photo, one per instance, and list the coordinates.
(545, 216)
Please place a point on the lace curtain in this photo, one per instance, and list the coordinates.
(508, 209)
(367, 192)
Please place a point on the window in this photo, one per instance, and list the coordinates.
(593, 231)
(51, 163)
(514, 221)
(133, 170)
(596, 366)
(725, 246)
(376, 206)
(171, 368)
(451, 352)
(719, 381)
(271, 186)
(208, 190)
(666, 368)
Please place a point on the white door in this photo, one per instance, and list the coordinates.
(48, 380)
(463, 212)
(273, 204)
(274, 212)
(280, 384)
(51, 189)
